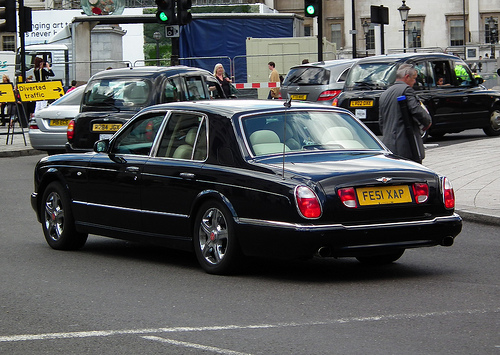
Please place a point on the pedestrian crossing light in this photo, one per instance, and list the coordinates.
(165, 13)
(312, 8)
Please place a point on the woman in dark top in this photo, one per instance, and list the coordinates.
(42, 70)
(223, 80)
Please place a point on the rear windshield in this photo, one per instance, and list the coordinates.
(73, 97)
(371, 76)
(307, 76)
(125, 94)
(275, 133)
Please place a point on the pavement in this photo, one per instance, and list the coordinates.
(471, 166)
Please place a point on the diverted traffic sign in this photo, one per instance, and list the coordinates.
(7, 93)
(46, 90)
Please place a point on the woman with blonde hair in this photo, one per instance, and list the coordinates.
(223, 79)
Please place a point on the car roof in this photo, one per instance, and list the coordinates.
(231, 107)
(403, 57)
(328, 63)
(147, 71)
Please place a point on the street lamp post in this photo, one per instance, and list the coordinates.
(414, 34)
(491, 26)
(403, 12)
(366, 30)
(157, 37)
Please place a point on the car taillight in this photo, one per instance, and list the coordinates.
(33, 126)
(335, 102)
(328, 95)
(71, 130)
(421, 192)
(348, 197)
(307, 202)
(448, 194)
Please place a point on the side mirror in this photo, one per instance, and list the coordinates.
(479, 80)
(101, 146)
(498, 71)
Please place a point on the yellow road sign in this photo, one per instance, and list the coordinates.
(7, 93)
(46, 90)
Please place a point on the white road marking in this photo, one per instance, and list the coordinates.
(196, 346)
(105, 333)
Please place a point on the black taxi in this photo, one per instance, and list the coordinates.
(445, 85)
(113, 96)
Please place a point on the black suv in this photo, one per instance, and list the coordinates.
(113, 96)
(445, 85)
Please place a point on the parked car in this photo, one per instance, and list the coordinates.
(321, 81)
(458, 104)
(47, 129)
(113, 96)
(229, 178)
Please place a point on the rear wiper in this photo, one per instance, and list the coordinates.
(365, 84)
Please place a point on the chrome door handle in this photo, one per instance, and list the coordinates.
(132, 169)
(189, 176)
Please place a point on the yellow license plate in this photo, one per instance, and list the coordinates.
(58, 122)
(298, 97)
(106, 127)
(383, 195)
(362, 103)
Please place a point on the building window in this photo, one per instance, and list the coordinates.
(491, 30)
(414, 34)
(307, 31)
(456, 32)
(336, 29)
(9, 43)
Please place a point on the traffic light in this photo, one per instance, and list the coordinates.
(8, 16)
(312, 8)
(166, 12)
(184, 15)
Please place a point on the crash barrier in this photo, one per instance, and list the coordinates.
(256, 85)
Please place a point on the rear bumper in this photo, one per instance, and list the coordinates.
(269, 238)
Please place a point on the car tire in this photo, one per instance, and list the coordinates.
(215, 243)
(381, 259)
(494, 127)
(58, 223)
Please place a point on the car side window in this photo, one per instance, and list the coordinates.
(173, 90)
(422, 81)
(441, 74)
(195, 88)
(463, 75)
(185, 137)
(138, 137)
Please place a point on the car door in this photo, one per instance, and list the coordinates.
(114, 200)
(171, 178)
(444, 98)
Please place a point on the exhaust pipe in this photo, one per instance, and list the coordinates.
(325, 252)
(447, 241)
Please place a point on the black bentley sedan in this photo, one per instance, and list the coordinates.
(445, 85)
(234, 178)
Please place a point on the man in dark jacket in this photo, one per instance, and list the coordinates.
(403, 140)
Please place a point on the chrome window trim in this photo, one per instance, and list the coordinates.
(130, 209)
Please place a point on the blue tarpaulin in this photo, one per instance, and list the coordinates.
(217, 40)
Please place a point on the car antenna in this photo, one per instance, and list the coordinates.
(287, 104)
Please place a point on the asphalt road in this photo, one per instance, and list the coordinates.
(114, 297)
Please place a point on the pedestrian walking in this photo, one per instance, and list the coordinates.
(401, 120)
(274, 77)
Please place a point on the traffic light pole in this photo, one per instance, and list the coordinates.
(22, 40)
(320, 32)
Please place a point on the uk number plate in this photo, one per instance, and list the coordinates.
(383, 195)
(361, 103)
(298, 97)
(106, 127)
(58, 122)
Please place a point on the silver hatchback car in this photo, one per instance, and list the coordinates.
(321, 81)
(49, 126)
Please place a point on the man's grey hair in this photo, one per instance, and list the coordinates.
(404, 70)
